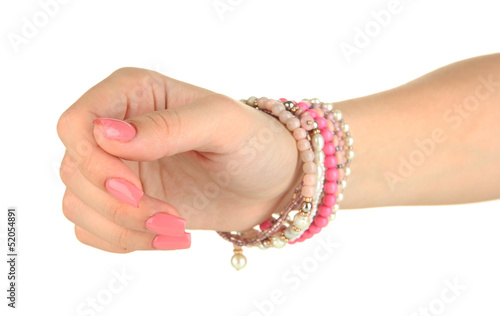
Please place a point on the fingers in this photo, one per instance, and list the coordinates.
(205, 125)
(151, 215)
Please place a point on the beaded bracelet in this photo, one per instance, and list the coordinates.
(325, 147)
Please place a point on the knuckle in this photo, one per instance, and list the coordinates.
(164, 125)
(66, 170)
(124, 239)
(68, 205)
(62, 124)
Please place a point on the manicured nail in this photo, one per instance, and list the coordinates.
(166, 224)
(124, 191)
(116, 129)
(164, 242)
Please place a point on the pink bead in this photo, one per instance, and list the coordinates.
(340, 134)
(309, 179)
(292, 242)
(327, 135)
(300, 239)
(341, 144)
(299, 112)
(314, 229)
(269, 104)
(265, 225)
(309, 167)
(306, 235)
(329, 200)
(282, 99)
(340, 157)
(341, 173)
(277, 109)
(299, 133)
(306, 122)
(284, 116)
(324, 210)
(292, 123)
(303, 144)
(330, 162)
(261, 102)
(329, 117)
(321, 122)
(321, 221)
(332, 174)
(330, 187)
(303, 105)
(313, 113)
(335, 140)
(329, 125)
(329, 149)
(308, 190)
(319, 112)
(307, 156)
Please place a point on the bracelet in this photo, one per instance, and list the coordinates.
(325, 148)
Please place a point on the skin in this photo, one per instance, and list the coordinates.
(189, 138)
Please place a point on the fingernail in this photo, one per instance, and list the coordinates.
(116, 129)
(124, 191)
(164, 242)
(166, 224)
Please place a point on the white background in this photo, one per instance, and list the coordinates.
(387, 261)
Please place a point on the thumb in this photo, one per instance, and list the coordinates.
(199, 126)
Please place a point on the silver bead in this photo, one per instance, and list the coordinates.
(300, 221)
(277, 241)
(349, 154)
(251, 101)
(315, 101)
(318, 142)
(347, 171)
(306, 207)
(337, 115)
(238, 261)
(349, 141)
(288, 105)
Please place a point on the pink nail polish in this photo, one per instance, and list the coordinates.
(164, 242)
(166, 224)
(124, 191)
(116, 129)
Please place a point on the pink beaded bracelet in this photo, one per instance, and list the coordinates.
(325, 147)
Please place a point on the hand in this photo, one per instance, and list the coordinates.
(196, 159)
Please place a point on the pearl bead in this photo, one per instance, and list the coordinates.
(340, 197)
(347, 171)
(345, 127)
(349, 154)
(320, 158)
(238, 261)
(344, 184)
(320, 171)
(291, 233)
(328, 106)
(315, 101)
(318, 142)
(349, 141)
(336, 207)
(300, 221)
(277, 241)
(337, 115)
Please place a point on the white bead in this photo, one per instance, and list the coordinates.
(277, 241)
(349, 154)
(336, 207)
(319, 171)
(290, 233)
(315, 101)
(238, 261)
(340, 197)
(344, 184)
(319, 158)
(318, 142)
(300, 221)
(337, 115)
(328, 106)
(345, 127)
(347, 171)
(349, 141)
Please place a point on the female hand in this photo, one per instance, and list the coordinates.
(196, 159)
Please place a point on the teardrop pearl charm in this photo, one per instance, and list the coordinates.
(238, 261)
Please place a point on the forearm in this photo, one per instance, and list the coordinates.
(435, 140)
